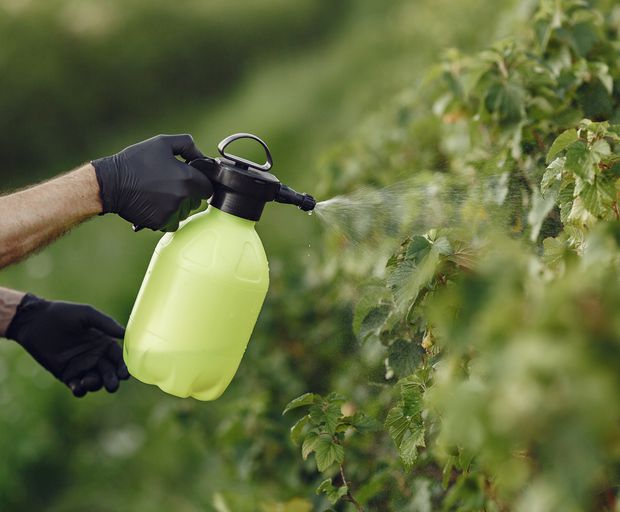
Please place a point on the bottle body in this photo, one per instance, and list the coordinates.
(197, 307)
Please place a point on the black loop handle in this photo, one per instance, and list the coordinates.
(242, 161)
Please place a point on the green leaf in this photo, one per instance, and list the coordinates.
(554, 250)
(552, 174)
(327, 412)
(327, 453)
(309, 444)
(578, 160)
(418, 248)
(412, 440)
(373, 295)
(333, 493)
(365, 423)
(298, 427)
(373, 321)
(601, 148)
(564, 140)
(404, 421)
(404, 357)
(541, 206)
(301, 401)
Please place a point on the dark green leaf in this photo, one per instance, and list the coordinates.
(404, 357)
(373, 321)
(300, 401)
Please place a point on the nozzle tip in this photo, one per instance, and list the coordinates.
(307, 203)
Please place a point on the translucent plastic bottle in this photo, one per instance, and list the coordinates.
(206, 283)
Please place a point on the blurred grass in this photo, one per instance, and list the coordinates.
(140, 449)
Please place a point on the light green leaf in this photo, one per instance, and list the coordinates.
(601, 148)
(309, 444)
(327, 453)
(564, 140)
(300, 401)
(333, 493)
(541, 206)
(553, 251)
(577, 160)
(412, 440)
(552, 174)
(298, 427)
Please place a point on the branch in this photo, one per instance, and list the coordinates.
(349, 496)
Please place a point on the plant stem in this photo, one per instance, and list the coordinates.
(349, 497)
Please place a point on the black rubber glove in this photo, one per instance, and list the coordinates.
(75, 342)
(146, 185)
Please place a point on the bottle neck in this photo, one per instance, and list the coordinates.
(230, 218)
(246, 206)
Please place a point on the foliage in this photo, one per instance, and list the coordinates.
(498, 328)
(472, 368)
(298, 74)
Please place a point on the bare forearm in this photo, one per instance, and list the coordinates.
(32, 218)
(9, 300)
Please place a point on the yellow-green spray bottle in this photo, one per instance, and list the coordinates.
(206, 283)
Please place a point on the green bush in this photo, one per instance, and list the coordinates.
(489, 345)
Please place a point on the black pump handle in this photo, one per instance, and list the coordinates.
(242, 161)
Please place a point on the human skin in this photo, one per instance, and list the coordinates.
(32, 218)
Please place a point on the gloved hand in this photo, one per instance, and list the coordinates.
(146, 185)
(75, 342)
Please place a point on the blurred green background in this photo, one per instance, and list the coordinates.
(81, 79)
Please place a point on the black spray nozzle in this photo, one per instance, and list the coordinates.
(287, 195)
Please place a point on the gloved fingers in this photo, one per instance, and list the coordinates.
(103, 322)
(91, 381)
(115, 355)
(172, 224)
(199, 185)
(183, 145)
(195, 203)
(108, 373)
(185, 208)
(76, 388)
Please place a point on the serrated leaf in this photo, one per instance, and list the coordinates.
(577, 160)
(408, 449)
(553, 251)
(301, 401)
(365, 423)
(601, 148)
(373, 296)
(418, 248)
(552, 174)
(325, 486)
(327, 453)
(298, 427)
(404, 357)
(309, 444)
(333, 493)
(373, 321)
(564, 140)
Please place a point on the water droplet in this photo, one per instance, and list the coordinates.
(310, 212)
